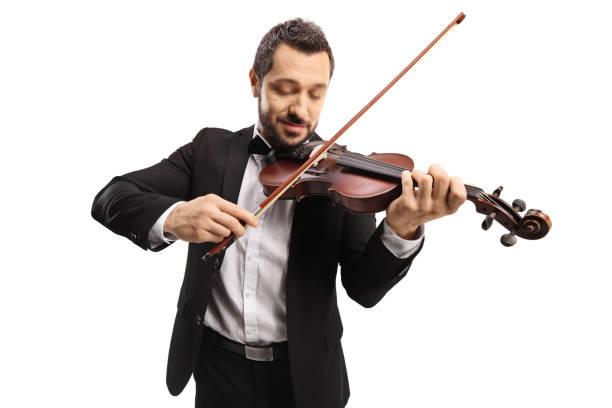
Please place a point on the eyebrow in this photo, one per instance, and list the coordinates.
(294, 82)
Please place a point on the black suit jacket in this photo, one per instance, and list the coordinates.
(322, 237)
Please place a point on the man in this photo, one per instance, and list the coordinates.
(259, 326)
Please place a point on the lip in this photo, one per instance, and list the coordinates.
(292, 127)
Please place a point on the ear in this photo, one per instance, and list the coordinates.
(254, 83)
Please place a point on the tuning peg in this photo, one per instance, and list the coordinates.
(508, 240)
(519, 205)
(498, 191)
(486, 224)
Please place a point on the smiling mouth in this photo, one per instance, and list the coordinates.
(293, 127)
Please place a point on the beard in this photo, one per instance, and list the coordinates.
(273, 135)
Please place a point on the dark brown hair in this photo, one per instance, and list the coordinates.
(302, 35)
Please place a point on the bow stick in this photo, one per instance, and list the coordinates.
(317, 155)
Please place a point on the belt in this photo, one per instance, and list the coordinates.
(271, 352)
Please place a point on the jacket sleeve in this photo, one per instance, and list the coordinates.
(130, 204)
(368, 269)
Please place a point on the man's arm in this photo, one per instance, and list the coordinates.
(368, 268)
(400, 247)
(130, 204)
(157, 236)
(147, 204)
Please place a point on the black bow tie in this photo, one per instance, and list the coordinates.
(258, 146)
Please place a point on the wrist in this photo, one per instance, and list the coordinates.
(409, 233)
(168, 227)
(405, 232)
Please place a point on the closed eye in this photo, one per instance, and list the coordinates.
(283, 91)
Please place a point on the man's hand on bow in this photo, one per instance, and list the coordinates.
(437, 195)
(208, 218)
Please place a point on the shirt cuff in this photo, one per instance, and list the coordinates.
(398, 246)
(157, 236)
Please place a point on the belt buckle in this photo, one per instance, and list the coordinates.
(259, 353)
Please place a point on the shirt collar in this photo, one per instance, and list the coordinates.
(256, 134)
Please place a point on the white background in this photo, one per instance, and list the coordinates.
(518, 94)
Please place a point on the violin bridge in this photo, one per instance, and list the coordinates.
(322, 157)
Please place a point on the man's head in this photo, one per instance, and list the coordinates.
(290, 76)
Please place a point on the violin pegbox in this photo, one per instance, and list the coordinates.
(535, 224)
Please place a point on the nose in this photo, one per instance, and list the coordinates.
(299, 106)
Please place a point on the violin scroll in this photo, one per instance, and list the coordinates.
(535, 224)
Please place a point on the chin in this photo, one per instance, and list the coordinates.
(292, 140)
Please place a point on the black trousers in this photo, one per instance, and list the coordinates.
(225, 379)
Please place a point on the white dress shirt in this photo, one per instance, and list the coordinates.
(248, 299)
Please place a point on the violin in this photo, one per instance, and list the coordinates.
(368, 184)
(375, 179)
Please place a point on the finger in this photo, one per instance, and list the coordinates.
(216, 228)
(206, 236)
(407, 184)
(230, 222)
(441, 182)
(457, 194)
(424, 181)
(407, 188)
(238, 212)
(212, 238)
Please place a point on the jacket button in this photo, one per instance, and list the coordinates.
(198, 320)
(217, 263)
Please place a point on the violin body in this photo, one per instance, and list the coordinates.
(353, 189)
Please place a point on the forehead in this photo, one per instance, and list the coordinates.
(307, 69)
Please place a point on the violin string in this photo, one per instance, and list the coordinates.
(369, 164)
(394, 170)
(356, 159)
(376, 163)
(389, 166)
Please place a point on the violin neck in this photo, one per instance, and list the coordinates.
(387, 170)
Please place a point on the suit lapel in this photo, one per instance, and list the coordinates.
(235, 164)
(299, 225)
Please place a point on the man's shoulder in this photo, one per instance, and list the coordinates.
(220, 133)
(214, 139)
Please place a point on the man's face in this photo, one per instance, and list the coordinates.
(291, 95)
